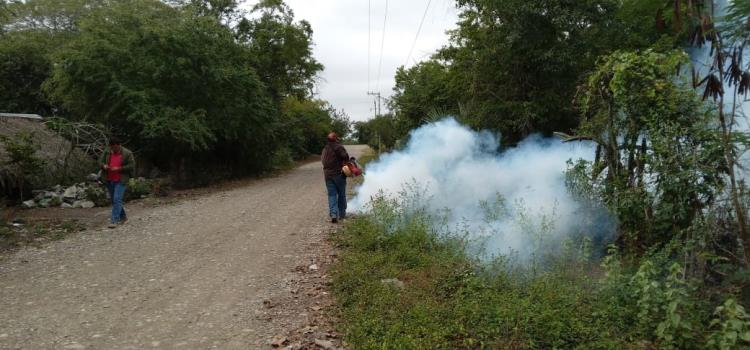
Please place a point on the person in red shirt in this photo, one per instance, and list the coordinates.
(118, 164)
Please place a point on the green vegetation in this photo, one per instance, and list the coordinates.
(22, 166)
(199, 89)
(402, 285)
(667, 164)
(515, 66)
(380, 133)
(35, 234)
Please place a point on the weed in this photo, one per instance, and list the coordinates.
(450, 299)
(36, 234)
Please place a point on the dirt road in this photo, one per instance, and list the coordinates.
(210, 272)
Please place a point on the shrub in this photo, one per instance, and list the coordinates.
(450, 299)
(21, 167)
(731, 327)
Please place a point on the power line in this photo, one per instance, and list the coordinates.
(369, 30)
(413, 44)
(382, 45)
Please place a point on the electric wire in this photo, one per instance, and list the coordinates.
(369, 31)
(414, 43)
(382, 45)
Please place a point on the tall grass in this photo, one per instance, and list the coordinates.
(402, 283)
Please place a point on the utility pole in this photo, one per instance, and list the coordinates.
(377, 101)
(376, 104)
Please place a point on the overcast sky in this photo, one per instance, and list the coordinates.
(341, 37)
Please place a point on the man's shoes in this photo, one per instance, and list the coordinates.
(113, 225)
(334, 220)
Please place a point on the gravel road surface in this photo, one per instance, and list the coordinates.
(211, 272)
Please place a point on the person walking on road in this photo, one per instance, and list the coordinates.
(118, 164)
(333, 157)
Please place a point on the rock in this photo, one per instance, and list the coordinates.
(313, 267)
(86, 204)
(92, 177)
(71, 192)
(66, 205)
(39, 194)
(278, 341)
(45, 203)
(394, 282)
(95, 194)
(295, 346)
(54, 200)
(28, 204)
(325, 344)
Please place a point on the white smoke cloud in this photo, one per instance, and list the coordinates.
(461, 170)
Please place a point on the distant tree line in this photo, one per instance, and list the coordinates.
(197, 87)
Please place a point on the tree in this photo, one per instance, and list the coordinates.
(306, 124)
(6, 13)
(380, 132)
(24, 65)
(54, 16)
(32, 32)
(281, 48)
(177, 84)
(340, 121)
(659, 162)
(420, 90)
(223, 10)
(518, 62)
(21, 166)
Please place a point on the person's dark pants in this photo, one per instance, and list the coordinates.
(117, 193)
(336, 187)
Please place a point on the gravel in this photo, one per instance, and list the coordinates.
(190, 275)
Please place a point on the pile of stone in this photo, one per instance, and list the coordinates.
(81, 195)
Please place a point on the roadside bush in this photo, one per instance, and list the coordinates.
(306, 124)
(142, 187)
(282, 158)
(98, 195)
(730, 327)
(21, 167)
(449, 299)
(380, 133)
